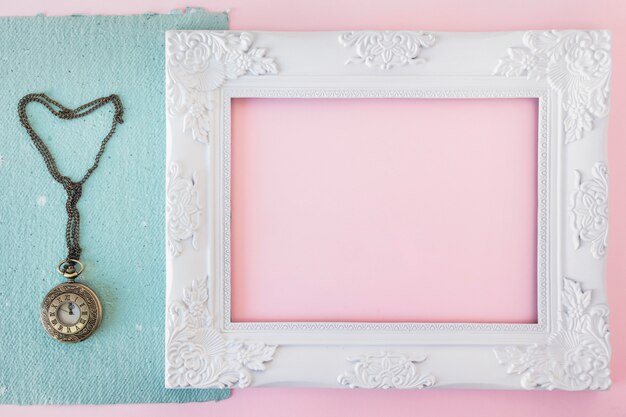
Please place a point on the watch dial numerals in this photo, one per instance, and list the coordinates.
(70, 313)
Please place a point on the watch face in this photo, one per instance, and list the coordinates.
(68, 313)
(71, 312)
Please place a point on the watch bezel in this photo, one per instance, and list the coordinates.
(94, 307)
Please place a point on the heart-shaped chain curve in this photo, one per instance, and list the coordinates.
(72, 188)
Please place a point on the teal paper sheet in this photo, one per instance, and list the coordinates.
(76, 59)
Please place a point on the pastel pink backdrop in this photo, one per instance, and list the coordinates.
(441, 15)
(348, 210)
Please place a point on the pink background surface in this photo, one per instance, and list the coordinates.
(347, 210)
(442, 15)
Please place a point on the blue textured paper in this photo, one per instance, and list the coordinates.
(75, 60)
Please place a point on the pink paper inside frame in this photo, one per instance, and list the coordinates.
(384, 210)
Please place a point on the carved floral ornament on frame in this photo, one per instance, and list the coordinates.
(575, 64)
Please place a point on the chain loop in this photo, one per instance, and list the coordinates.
(73, 189)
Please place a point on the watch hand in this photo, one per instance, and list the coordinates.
(62, 309)
(70, 306)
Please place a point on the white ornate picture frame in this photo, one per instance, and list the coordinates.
(567, 71)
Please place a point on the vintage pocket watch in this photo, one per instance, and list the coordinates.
(71, 312)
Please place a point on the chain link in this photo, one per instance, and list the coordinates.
(73, 189)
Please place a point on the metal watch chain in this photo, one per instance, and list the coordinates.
(70, 293)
